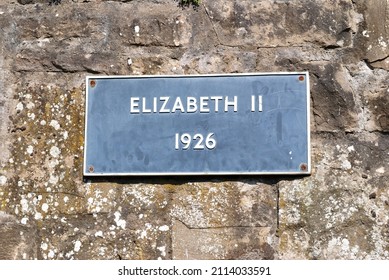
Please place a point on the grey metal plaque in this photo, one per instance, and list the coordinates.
(197, 125)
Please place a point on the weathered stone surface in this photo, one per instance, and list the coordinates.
(4, 141)
(17, 241)
(341, 210)
(281, 23)
(49, 211)
(376, 33)
(203, 205)
(224, 221)
(221, 243)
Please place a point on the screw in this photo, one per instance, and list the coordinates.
(301, 78)
(91, 169)
(303, 167)
(92, 83)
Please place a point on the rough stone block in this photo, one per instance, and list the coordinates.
(340, 210)
(16, 241)
(376, 33)
(280, 23)
(225, 204)
(222, 243)
(333, 100)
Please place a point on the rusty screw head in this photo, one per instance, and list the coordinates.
(303, 167)
(92, 83)
(91, 169)
(301, 78)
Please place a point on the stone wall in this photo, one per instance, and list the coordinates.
(49, 211)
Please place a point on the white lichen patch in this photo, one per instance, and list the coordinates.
(162, 249)
(38, 216)
(20, 106)
(144, 233)
(45, 207)
(24, 204)
(292, 215)
(119, 222)
(53, 163)
(3, 180)
(341, 247)
(346, 165)
(345, 244)
(382, 42)
(338, 211)
(30, 149)
(365, 33)
(55, 151)
(53, 179)
(30, 105)
(164, 228)
(51, 254)
(99, 234)
(343, 157)
(380, 170)
(102, 251)
(99, 200)
(69, 255)
(55, 124)
(31, 116)
(194, 213)
(137, 29)
(44, 246)
(141, 197)
(77, 246)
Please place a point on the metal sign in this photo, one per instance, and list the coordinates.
(197, 125)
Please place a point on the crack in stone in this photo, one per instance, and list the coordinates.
(213, 26)
(377, 60)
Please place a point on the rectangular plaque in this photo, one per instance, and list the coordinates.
(197, 125)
